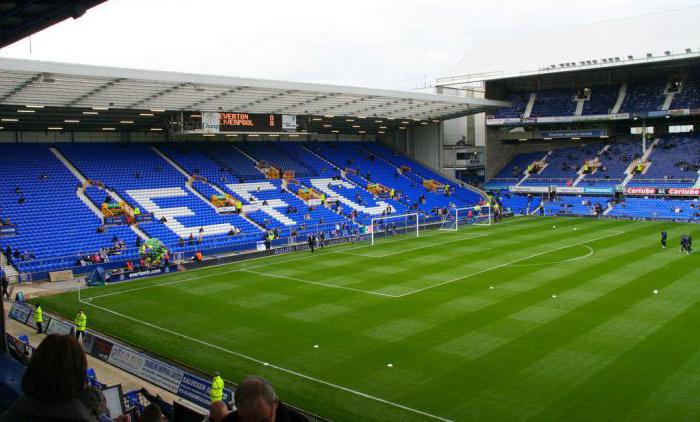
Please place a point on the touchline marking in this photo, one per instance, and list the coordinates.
(270, 365)
(318, 283)
(505, 264)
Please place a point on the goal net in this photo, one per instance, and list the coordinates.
(479, 215)
(393, 225)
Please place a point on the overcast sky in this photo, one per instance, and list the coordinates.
(396, 44)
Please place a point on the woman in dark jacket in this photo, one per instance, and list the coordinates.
(55, 377)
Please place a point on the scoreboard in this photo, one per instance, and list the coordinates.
(215, 122)
(246, 122)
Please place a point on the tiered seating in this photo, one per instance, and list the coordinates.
(644, 96)
(562, 166)
(519, 104)
(689, 97)
(53, 225)
(515, 169)
(240, 166)
(675, 161)
(266, 151)
(277, 214)
(282, 210)
(197, 163)
(613, 163)
(145, 180)
(554, 102)
(519, 204)
(372, 169)
(602, 100)
(302, 155)
(657, 208)
(418, 171)
(579, 205)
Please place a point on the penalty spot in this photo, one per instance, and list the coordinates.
(315, 346)
(656, 292)
(554, 296)
(390, 365)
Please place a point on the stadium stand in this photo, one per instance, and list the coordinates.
(644, 96)
(675, 161)
(517, 109)
(54, 227)
(681, 209)
(147, 181)
(515, 169)
(577, 205)
(602, 100)
(555, 102)
(614, 161)
(562, 166)
(689, 96)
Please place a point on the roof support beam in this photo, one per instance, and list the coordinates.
(265, 99)
(94, 91)
(310, 101)
(215, 97)
(19, 88)
(158, 94)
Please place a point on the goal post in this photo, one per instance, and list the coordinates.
(392, 225)
(479, 215)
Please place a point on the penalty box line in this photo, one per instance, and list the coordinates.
(428, 245)
(270, 365)
(515, 261)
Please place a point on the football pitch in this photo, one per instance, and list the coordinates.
(515, 321)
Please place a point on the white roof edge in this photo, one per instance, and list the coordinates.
(37, 66)
(498, 75)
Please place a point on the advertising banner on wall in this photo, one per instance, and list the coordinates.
(57, 326)
(683, 191)
(641, 191)
(600, 190)
(21, 312)
(210, 122)
(568, 189)
(530, 189)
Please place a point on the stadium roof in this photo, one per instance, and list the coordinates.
(71, 88)
(22, 18)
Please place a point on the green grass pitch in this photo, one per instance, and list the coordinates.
(517, 321)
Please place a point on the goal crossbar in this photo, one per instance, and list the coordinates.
(479, 215)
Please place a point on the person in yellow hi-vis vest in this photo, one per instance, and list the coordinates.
(323, 199)
(38, 318)
(80, 324)
(217, 388)
(239, 207)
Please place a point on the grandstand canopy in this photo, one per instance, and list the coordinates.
(55, 93)
(22, 18)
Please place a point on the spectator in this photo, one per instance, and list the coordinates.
(152, 413)
(181, 242)
(95, 402)
(138, 241)
(256, 400)
(21, 200)
(54, 379)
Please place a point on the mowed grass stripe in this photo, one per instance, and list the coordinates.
(549, 336)
(360, 333)
(447, 329)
